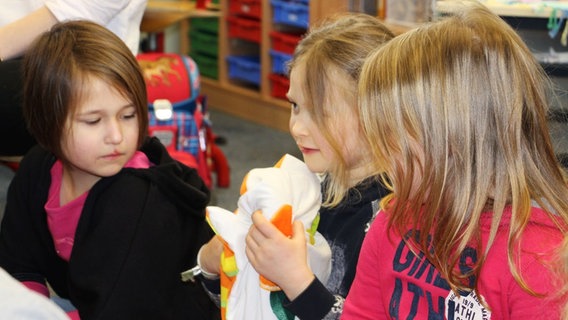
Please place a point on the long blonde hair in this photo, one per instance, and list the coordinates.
(462, 104)
(339, 43)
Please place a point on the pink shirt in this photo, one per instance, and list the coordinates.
(392, 283)
(63, 220)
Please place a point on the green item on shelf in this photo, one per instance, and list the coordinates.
(208, 65)
(203, 42)
(210, 25)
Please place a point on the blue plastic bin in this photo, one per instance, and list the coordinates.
(279, 61)
(291, 13)
(244, 68)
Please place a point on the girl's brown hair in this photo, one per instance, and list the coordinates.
(57, 68)
(456, 112)
(338, 44)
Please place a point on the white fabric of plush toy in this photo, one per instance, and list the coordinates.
(289, 184)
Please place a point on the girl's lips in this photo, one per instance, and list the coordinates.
(307, 150)
(112, 155)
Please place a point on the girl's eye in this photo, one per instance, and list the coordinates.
(294, 106)
(129, 116)
(92, 121)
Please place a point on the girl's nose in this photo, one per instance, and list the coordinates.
(297, 128)
(114, 132)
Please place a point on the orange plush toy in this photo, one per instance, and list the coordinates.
(286, 192)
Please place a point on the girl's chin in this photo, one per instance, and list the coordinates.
(315, 167)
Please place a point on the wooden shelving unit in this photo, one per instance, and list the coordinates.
(256, 104)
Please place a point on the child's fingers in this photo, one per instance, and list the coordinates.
(263, 226)
(254, 236)
(257, 217)
(299, 232)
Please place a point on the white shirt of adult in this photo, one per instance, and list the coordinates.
(122, 17)
(19, 302)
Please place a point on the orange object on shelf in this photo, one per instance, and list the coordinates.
(202, 4)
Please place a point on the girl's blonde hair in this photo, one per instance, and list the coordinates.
(339, 44)
(456, 113)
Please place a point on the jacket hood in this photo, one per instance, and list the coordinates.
(180, 183)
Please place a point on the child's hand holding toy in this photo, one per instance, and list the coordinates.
(285, 193)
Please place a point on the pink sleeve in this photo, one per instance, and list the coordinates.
(364, 299)
(73, 315)
(43, 290)
(538, 272)
(37, 287)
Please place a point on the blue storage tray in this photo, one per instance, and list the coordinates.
(291, 13)
(279, 61)
(245, 68)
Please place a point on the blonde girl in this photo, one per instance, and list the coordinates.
(324, 123)
(326, 128)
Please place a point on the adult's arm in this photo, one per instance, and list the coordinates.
(17, 36)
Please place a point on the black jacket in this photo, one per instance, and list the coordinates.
(138, 230)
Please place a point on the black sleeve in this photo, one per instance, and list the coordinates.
(131, 244)
(17, 140)
(314, 303)
(27, 252)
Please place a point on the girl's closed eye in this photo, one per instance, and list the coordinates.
(91, 121)
(129, 115)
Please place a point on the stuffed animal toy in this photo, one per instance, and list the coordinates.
(284, 193)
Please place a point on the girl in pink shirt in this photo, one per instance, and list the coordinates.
(456, 113)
